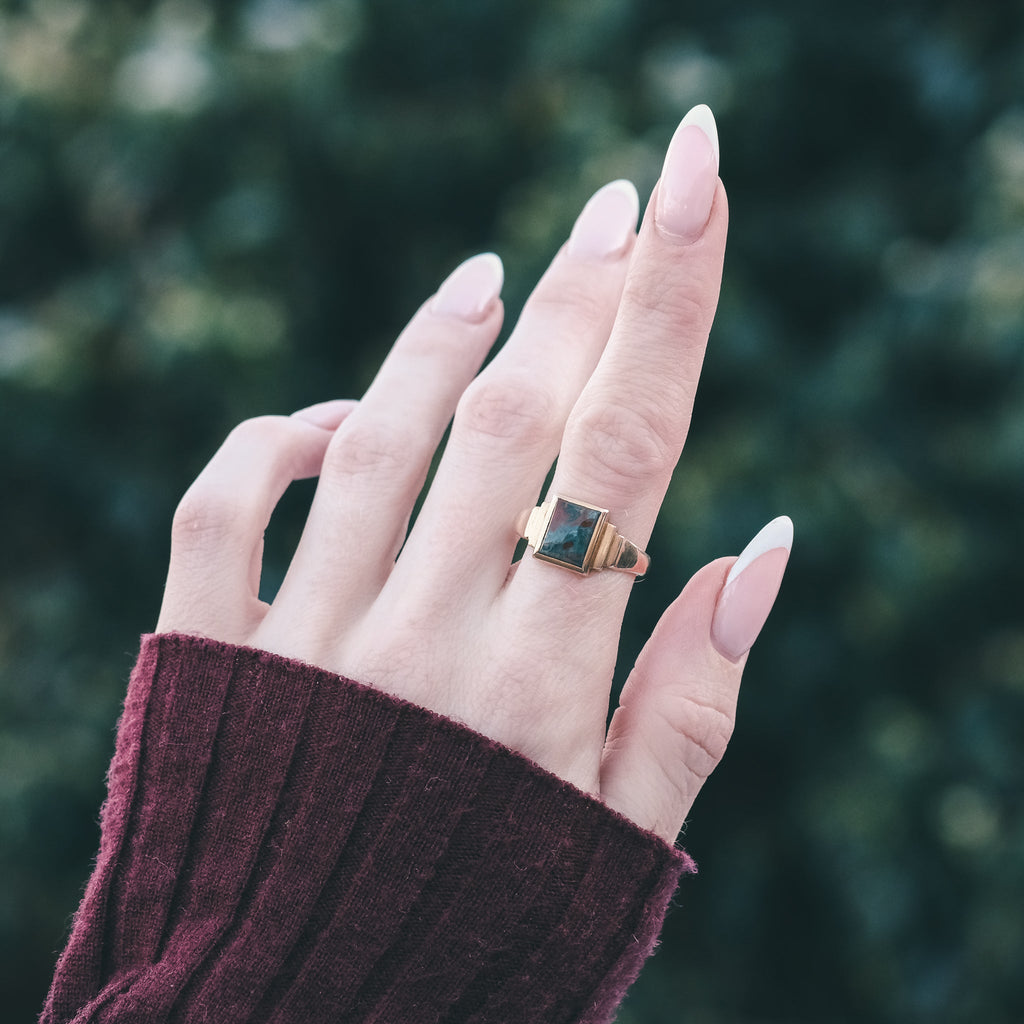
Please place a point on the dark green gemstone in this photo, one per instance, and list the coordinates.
(569, 533)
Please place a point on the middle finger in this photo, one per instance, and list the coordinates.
(509, 422)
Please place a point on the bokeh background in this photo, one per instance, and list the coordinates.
(213, 210)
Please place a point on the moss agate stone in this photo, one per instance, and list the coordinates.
(569, 534)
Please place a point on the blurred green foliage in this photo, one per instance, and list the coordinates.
(209, 211)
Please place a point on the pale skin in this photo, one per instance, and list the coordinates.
(600, 372)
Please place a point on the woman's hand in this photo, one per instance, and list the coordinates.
(600, 371)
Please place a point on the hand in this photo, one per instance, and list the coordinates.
(600, 371)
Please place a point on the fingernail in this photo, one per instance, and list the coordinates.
(751, 588)
(329, 414)
(471, 289)
(607, 224)
(689, 177)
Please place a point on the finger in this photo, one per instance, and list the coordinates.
(328, 415)
(627, 430)
(509, 422)
(678, 706)
(217, 535)
(378, 460)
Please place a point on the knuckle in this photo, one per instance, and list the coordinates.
(272, 437)
(703, 732)
(208, 516)
(568, 303)
(658, 299)
(260, 430)
(214, 510)
(383, 449)
(506, 408)
(622, 441)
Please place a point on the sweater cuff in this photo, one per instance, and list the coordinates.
(283, 844)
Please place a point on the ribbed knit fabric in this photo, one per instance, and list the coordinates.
(283, 845)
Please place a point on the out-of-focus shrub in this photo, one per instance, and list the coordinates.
(209, 211)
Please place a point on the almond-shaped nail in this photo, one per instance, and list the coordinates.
(607, 225)
(471, 289)
(751, 588)
(689, 177)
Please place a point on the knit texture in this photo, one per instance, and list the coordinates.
(280, 844)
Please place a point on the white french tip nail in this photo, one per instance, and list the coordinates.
(607, 223)
(777, 534)
(628, 191)
(471, 288)
(493, 263)
(630, 198)
(702, 117)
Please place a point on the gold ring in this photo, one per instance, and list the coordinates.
(578, 536)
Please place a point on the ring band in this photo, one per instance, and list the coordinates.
(578, 536)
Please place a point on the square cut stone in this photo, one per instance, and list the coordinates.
(569, 533)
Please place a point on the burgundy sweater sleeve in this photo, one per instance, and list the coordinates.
(283, 845)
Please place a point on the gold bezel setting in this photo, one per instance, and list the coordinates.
(578, 536)
(567, 526)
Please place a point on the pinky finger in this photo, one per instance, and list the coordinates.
(217, 535)
(678, 707)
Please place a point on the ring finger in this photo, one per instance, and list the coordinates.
(626, 431)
